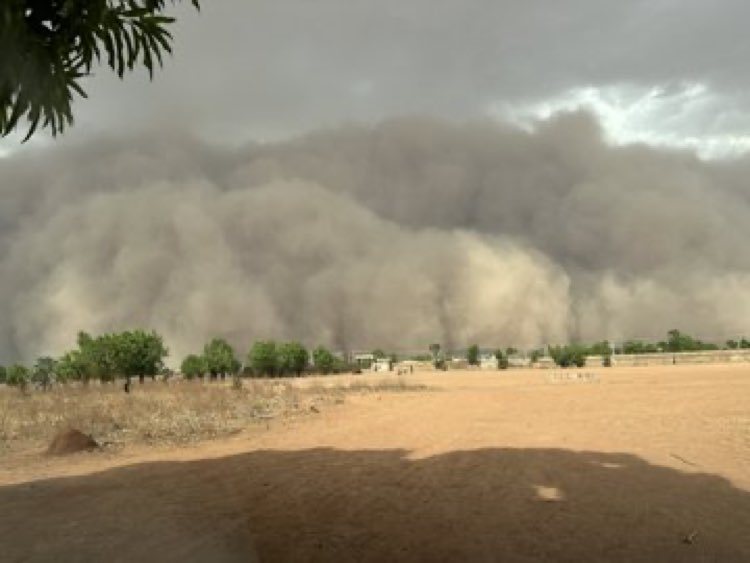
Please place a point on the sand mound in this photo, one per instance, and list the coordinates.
(71, 441)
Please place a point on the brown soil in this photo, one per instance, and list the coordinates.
(71, 441)
(641, 464)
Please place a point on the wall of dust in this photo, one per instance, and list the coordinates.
(395, 235)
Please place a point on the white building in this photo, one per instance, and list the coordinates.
(382, 364)
(364, 361)
(488, 361)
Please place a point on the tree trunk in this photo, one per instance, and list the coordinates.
(141, 379)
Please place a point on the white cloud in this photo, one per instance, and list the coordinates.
(690, 116)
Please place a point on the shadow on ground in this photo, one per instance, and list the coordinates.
(331, 505)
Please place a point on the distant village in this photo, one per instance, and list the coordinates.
(490, 362)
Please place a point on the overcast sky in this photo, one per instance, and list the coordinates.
(660, 71)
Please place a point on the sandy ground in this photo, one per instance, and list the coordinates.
(639, 464)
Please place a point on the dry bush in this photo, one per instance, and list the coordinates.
(160, 412)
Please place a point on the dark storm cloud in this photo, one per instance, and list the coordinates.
(265, 69)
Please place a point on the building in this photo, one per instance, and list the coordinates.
(488, 361)
(382, 364)
(518, 362)
(545, 362)
(364, 361)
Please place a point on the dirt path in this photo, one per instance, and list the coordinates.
(488, 467)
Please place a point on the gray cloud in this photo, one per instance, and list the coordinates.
(399, 234)
(267, 69)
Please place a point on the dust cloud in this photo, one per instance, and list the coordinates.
(396, 235)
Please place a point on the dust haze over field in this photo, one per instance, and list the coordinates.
(411, 231)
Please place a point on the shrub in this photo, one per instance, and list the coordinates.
(18, 376)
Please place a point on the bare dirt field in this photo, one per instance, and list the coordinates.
(639, 464)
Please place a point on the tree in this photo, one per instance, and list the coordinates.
(193, 366)
(98, 356)
(263, 358)
(472, 355)
(502, 359)
(45, 371)
(324, 360)
(378, 354)
(137, 353)
(3, 374)
(637, 347)
(602, 348)
(570, 355)
(679, 342)
(72, 367)
(18, 376)
(437, 358)
(219, 358)
(49, 46)
(292, 358)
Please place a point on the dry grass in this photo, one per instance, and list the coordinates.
(385, 385)
(159, 412)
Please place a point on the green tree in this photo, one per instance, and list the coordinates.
(18, 376)
(220, 359)
(502, 359)
(638, 347)
(263, 358)
(324, 360)
(45, 371)
(570, 355)
(536, 354)
(49, 46)
(293, 358)
(600, 349)
(137, 353)
(437, 359)
(72, 367)
(472, 355)
(193, 366)
(3, 374)
(679, 342)
(98, 355)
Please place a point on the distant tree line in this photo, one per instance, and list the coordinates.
(266, 358)
(141, 354)
(676, 342)
(104, 358)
